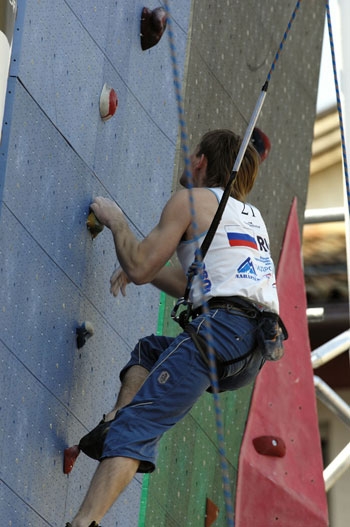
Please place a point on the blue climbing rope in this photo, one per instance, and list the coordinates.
(262, 95)
(209, 335)
(285, 35)
(198, 259)
(339, 106)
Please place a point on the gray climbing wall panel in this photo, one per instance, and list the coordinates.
(233, 44)
(55, 156)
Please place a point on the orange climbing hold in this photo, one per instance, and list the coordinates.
(93, 225)
(211, 513)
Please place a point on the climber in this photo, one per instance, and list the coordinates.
(165, 376)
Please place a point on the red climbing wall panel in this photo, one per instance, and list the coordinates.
(288, 490)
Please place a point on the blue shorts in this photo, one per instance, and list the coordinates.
(178, 377)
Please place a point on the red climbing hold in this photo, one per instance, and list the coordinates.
(153, 24)
(108, 102)
(70, 457)
(270, 446)
(261, 143)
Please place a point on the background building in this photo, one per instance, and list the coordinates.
(326, 279)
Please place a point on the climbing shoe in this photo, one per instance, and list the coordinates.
(93, 524)
(92, 443)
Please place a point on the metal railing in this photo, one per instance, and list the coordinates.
(333, 401)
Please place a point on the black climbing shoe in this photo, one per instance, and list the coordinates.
(93, 524)
(92, 443)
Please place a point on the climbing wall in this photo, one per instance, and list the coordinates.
(56, 154)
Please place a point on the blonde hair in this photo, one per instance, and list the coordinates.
(221, 147)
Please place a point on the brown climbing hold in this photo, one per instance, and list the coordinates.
(93, 225)
(270, 446)
(153, 24)
(211, 513)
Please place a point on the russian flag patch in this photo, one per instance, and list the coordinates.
(239, 239)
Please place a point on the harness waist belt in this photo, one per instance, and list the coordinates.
(224, 302)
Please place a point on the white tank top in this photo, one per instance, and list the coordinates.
(238, 261)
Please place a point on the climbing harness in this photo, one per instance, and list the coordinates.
(200, 252)
(270, 330)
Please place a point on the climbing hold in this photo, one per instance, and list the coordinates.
(70, 457)
(211, 513)
(108, 102)
(153, 24)
(270, 446)
(84, 332)
(93, 225)
(261, 143)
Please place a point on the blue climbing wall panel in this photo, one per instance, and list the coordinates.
(56, 155)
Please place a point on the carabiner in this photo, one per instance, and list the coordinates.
(183, 317)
